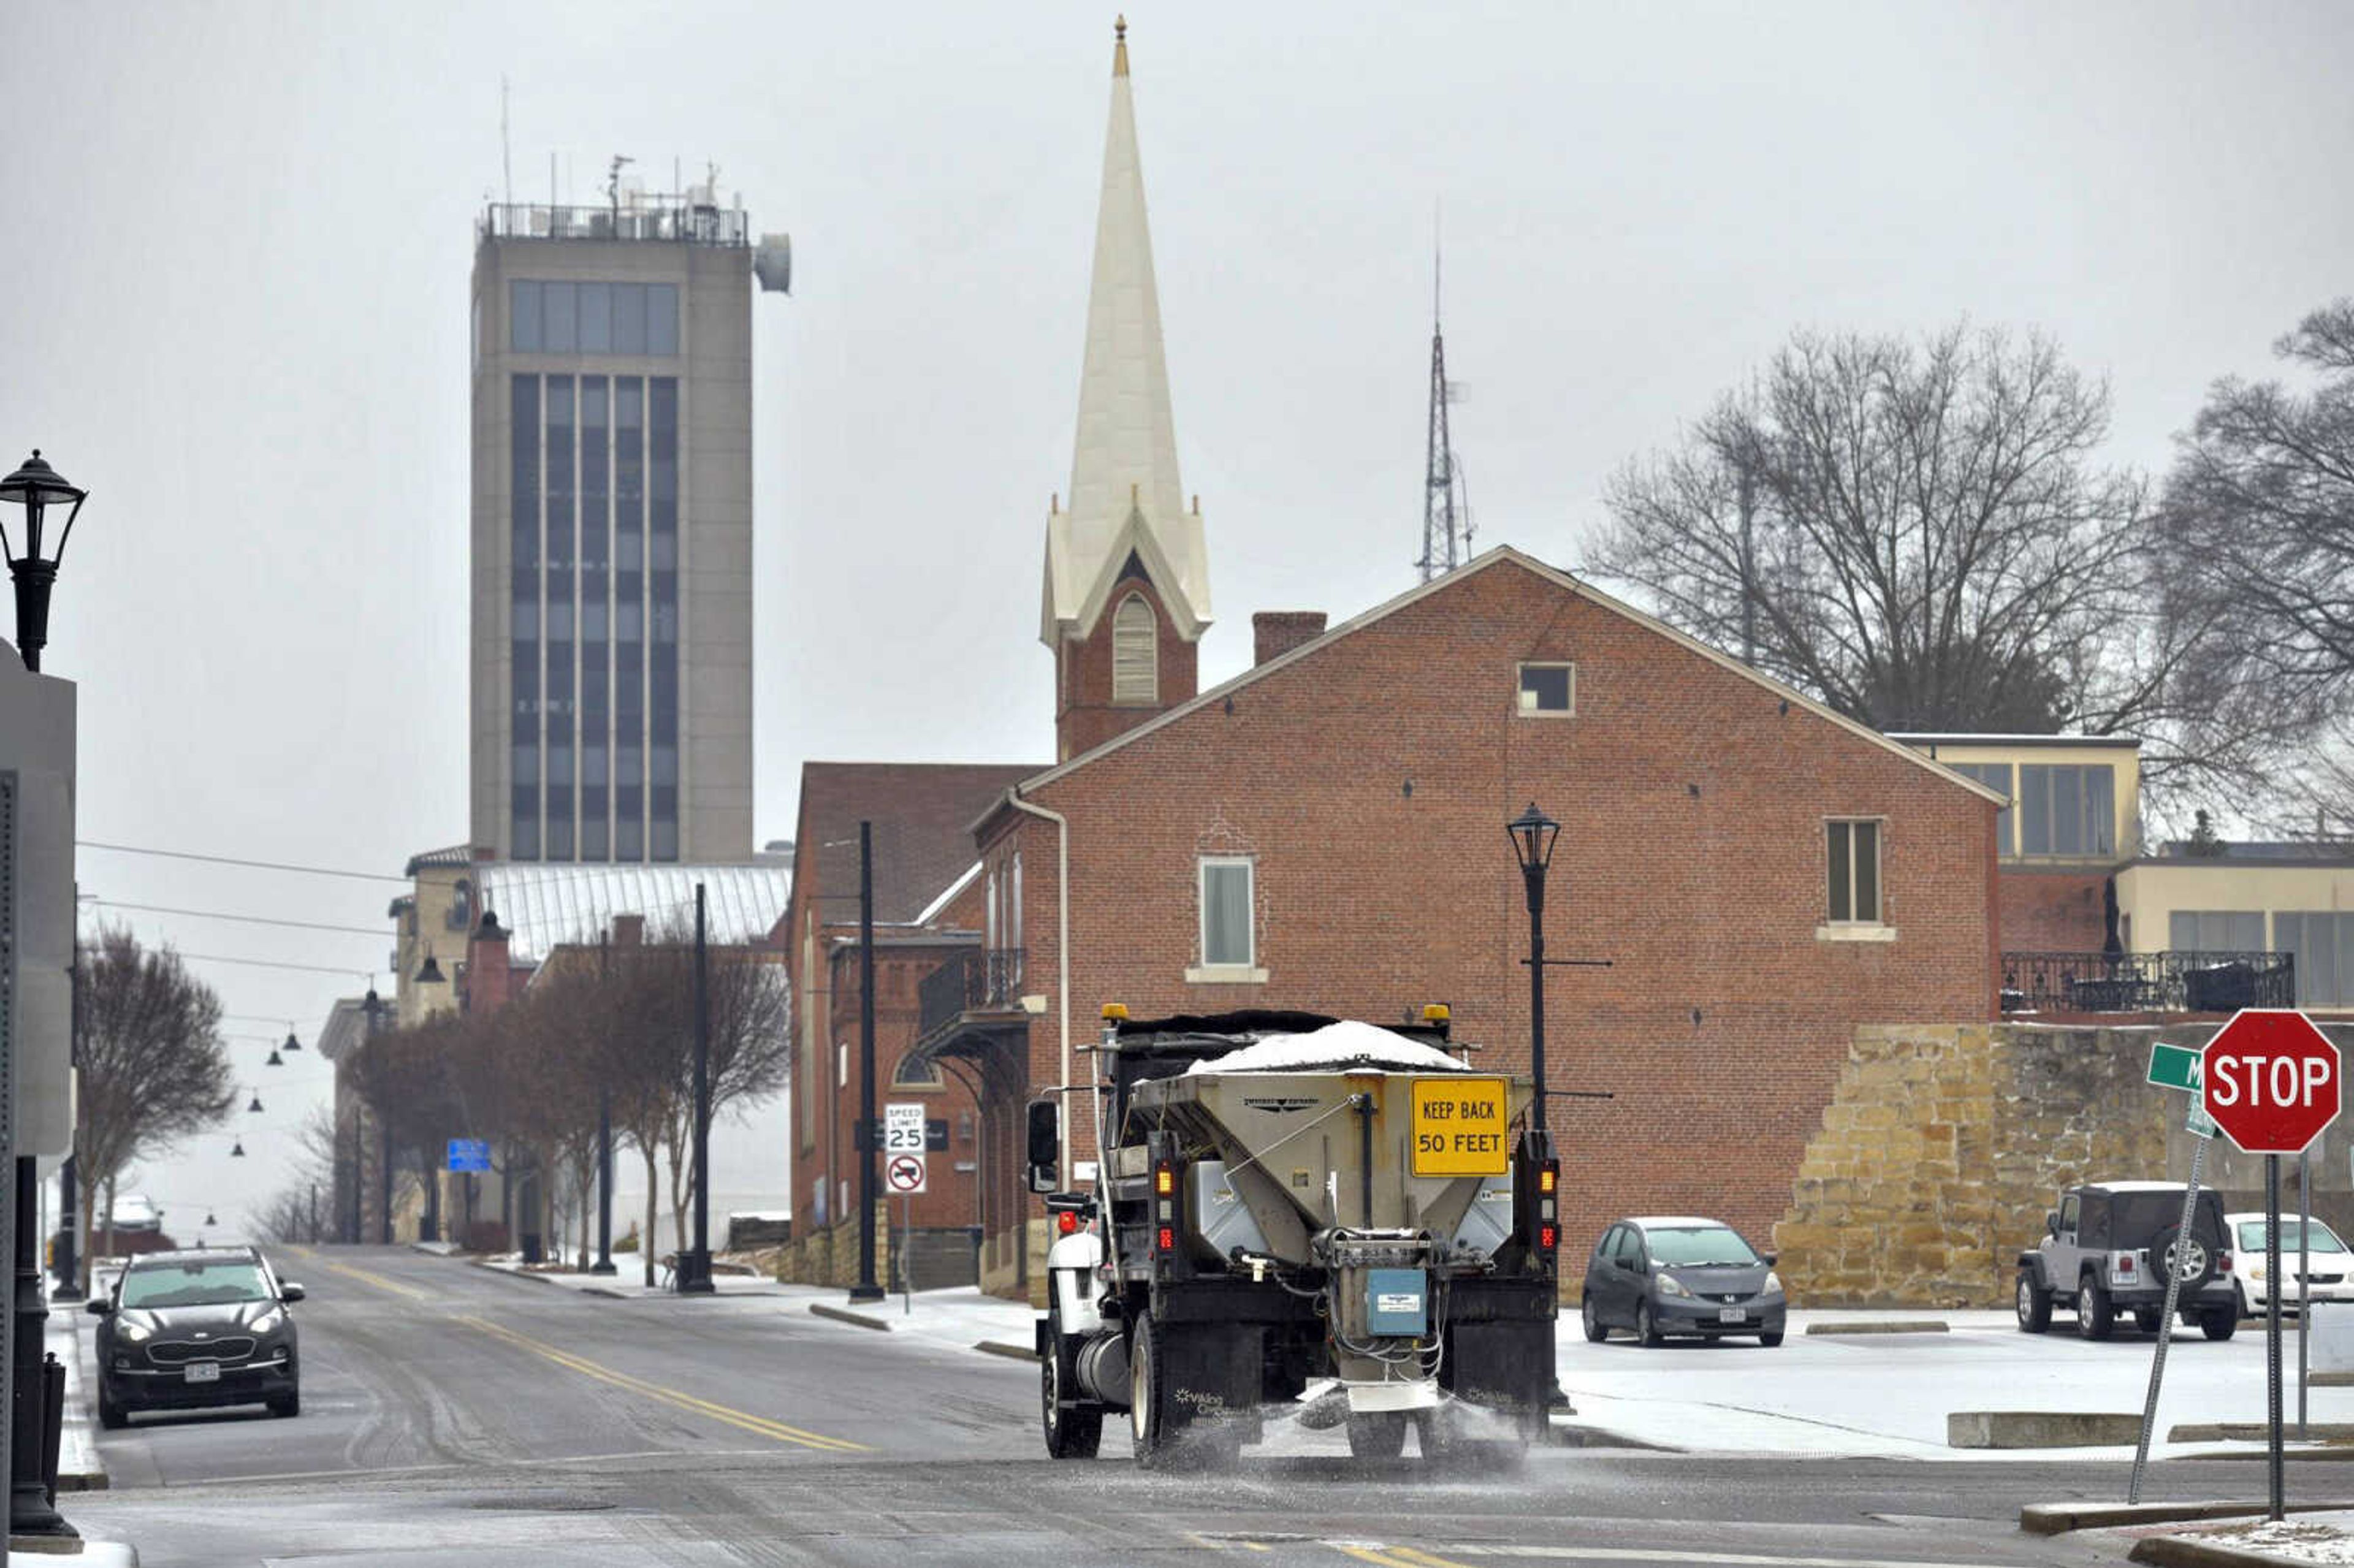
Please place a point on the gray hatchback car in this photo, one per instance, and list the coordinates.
(1679, 1275)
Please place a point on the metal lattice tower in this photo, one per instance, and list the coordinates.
(1445, 509)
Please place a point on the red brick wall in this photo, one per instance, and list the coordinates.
(1085, 717)
(1373, 779)
(2052, 911)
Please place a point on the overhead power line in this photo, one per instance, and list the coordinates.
(253, 864)
(278, 964)
(379, 934)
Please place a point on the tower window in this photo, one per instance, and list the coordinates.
(1135, 654)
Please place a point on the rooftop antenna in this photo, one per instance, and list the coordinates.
(613, 181)
(1445, 511)
(507, 147)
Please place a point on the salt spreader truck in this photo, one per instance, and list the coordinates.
(1284, 1198)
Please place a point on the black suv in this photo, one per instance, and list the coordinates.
(2106, 1249)
(181, 1330)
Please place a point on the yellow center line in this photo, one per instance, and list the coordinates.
(1425, 1560)
(1374, 1554)
(747, 1421)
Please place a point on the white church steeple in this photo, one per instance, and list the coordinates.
(1125, 498)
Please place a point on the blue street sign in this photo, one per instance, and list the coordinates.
(470, 1154)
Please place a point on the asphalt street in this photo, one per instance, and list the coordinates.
(452, 1416)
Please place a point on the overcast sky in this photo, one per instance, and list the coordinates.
(237, 291)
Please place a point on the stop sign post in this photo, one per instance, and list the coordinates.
(2272, 1081)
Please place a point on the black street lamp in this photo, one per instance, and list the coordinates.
(1532, 834)
(291, 1043)
(37, 487)
(867, 1290)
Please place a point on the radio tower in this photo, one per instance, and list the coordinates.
(1446, 515)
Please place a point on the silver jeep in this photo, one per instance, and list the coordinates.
(2106, 1250)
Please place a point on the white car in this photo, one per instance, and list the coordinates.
(2329, 1266)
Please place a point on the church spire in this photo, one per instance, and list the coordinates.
(1126, 498)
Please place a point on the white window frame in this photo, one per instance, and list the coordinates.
(1525, 708)
(1853, 930)
(1248, 970)
(1141, 673)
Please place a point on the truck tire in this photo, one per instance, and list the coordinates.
(2033, 1303)
(1147, 1395)
(1070, 1434)
(2095, 1315)
(1377, 1435)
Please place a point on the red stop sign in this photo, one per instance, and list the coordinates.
(2271, 1081)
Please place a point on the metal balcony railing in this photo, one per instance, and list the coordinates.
(2147, 983)
(979, 979)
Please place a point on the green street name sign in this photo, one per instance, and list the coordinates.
(2175, 1067)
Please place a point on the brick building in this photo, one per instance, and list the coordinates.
(931, 916)
(1326, 832)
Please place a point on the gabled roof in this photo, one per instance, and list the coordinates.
(1497, 558)
(542, 906)
(921, 813)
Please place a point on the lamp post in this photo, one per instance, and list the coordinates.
(695, 1262)
(37, 488)
(374, 1008)
(1533, 835)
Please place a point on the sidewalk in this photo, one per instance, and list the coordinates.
(627, 1281)
(79, 1468)
(960, 1315)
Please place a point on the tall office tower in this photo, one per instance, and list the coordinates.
(613, 529)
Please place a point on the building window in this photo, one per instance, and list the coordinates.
(842, 1065)
(1135, 652)
(915, 1072)
(1548, 689)
(592, 318)
(1226, 934)
(2322, 945)
(2067, 810)
(1994, 776)
(1854, 872)
(2216, 931)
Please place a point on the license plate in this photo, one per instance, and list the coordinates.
(1727, 1314)
(203, 1372)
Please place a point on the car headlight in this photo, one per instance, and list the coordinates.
(2256, 1270)
(137, 1333)
(1773, 1283)
(270, 1322)
(1670, 1286)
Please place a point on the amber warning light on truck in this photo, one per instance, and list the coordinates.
(1459, 1127)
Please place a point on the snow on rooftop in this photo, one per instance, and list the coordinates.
(1336, 1047)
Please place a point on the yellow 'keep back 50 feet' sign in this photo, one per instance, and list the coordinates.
(1459, 1127)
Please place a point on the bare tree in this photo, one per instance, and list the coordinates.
(293, 1212)
(154, 1068)
(2258, 530)
(1919, 534)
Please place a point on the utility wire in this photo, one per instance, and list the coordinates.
(246, 919)
(254, 864)
(275, 964)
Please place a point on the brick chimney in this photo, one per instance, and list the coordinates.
(490, 975)
(1275, 632)
(628, 930)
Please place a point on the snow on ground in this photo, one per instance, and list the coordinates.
(1334, 1048)
(2301, 1538)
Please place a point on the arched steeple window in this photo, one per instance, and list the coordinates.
(1135, 652)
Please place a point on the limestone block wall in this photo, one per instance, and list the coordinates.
(1943, 1147)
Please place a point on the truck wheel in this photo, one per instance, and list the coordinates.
(2033, 1306)
(1147, 1395)
(1070, 1434)
(1377, 1435)
(2095, 1315)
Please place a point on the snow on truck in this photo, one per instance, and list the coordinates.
(1284, 1198)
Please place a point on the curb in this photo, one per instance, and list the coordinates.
(1010, 1350)
(844, 1315)
(80, 1413)
(2040, 1428)
(2258, 1431)
(1891, 1326)
(2189, 1551)
(1571, 1434)
(2059, 1519)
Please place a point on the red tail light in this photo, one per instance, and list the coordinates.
(1548, 1237)
(1066, 1222)
(1168, 1238)
(2223, 1262)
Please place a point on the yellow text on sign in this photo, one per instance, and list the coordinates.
(1459, 1127)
